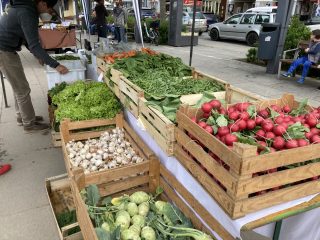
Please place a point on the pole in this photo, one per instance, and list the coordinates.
(4, 91)
(283, 17)
(192, 29)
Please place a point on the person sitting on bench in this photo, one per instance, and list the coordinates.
(312, 57)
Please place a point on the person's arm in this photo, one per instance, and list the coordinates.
(29, 25)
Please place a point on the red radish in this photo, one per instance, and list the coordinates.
(279, 130)
(223, 139)
(202, 124)
(242, 124)
(315, 139)
(244, 115)
(267, 127)
(231, 109)
(259, 120)
(243, 106)
(209, 129)
(286, 109)
(306, 125)
(194, 119)
(215, 104)
(314, 131)
(308, 135)
(291, 122)
(302, 142)
(278, 143)
(234, 128)
(285, 125)
(275, 108)
(270, 135)
(251, 124)
(262, 145)
(286, 119)
(230, 139)
(279, 120)
(264, 113)
(223, 131)
(206, 115)
(311, 121)
(223, 111)
(296, 119)
(206, 107)
(292, 143)
(234, 115)
(260, 134)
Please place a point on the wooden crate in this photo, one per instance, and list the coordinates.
(231, 182)
(130, 95)
(102, 64)
(112, 82)
(162, 129)
(154, 175)
(56, 138)
(78, 131)
(61, 200)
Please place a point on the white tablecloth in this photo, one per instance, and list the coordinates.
(305, 226)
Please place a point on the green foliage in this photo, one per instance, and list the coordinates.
(85, 100)
(110, 19)
(131, 22)
(66, 57)
(297, 31)
(252, 55)
(164, 32)
(67, 218)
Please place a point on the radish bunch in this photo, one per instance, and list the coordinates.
(271, 129)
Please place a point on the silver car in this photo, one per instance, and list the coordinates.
(243, 27)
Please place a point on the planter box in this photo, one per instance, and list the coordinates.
(78, 131)
(147, 177)
(162, 129)
(230, 181)
(61, 200)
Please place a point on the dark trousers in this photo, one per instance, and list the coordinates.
(102, 31)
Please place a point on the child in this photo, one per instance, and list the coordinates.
(312, 58)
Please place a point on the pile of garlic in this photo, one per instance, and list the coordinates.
(111, 150)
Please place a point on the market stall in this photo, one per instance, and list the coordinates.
(158, 121)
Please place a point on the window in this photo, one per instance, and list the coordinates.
(234, 19)
(262, 18)
(248, 19)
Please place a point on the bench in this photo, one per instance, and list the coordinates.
(301, 46)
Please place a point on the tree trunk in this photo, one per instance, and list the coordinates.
(163, 10)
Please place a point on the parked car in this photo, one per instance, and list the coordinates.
(201, 22)
(243, 27)
(211, 18)
(145, 12)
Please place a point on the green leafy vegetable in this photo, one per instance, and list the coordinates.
(301, 108)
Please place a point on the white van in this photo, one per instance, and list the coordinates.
(272, 9)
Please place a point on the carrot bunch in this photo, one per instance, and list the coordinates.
(110, 58)
(148, 51)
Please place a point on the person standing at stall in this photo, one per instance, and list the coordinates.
(100, 19)
(120, 22)
(18, 25)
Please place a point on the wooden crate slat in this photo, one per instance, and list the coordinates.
(280, 178)
(205, 180)
(281, 158)
(129, 104)
(130, 182)
(75, 125)
(216, 146)
(236, 95)
(131, 90)
(56, 138)
(113, 87)
(276, 197)
(223, 175)
(129, 170)
(195, 205)
(115, 76)
(166, 146)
